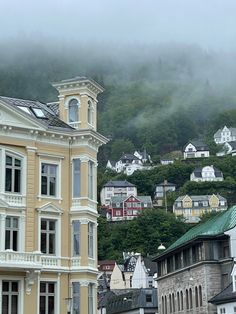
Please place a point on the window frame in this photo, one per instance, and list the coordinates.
(91, 244)
(56, 283)
(73, 177)
(48, 232)
(58, 179)
(20, 281)
(72, 235)
(90, 113)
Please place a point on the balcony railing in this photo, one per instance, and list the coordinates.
(39, 261)
(14, 199)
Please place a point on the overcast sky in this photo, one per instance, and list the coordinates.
(210, 23)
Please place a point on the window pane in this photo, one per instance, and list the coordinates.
(44, 185)
(14, 241)
(42, 287)
(14, 304)
(7, 240)
(42, 305)
(51, 305)
(5, 304)
(53, 170)
(8, 180)
(76, 178)
(44, 169)
(14, 286)
(15, 222)
(52, 186)
(8, 161)
(8, 222)
(43, 224)
(17, 162)
(51, 225)
(51, 287)
(43, 243)
(5, 286)
(51, 243)
(17, 180)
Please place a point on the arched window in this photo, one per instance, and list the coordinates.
(181, 301)
(170, 303)
(90, 112)
(73, 110)
(173, 302)
(196, 296)
(190, 299)
(178, 301)
(200, 296)
(186, 300)
(162, 305)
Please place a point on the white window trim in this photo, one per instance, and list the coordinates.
(57, 292)
(3, 152)
(68, 99)
(58, 235)
(21, 234)
(58, 179)
(21, 291)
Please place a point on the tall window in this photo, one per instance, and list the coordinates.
(10, 297)
(170, 303)
(190, 299)
(11, 233)
(48, 236)
(187, 300)
(47, 298)
(90, 112)
(181, 301)
(196, 296)
(49, 179)
(76, 298)
(76, 237)
(13, 174)
(91, 239)
(178, 301)
(73, 110)
(90, 179)
(90, 298)
(76, 178)
(200, 296)
(173, 302)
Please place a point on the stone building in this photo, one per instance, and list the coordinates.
(48, 205)
(197, 266)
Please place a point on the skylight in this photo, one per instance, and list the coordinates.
(38, 112)
(25, 109)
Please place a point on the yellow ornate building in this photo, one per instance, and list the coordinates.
(48, 207)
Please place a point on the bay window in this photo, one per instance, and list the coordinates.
(91, 239)
(76, 178)
(76, 237)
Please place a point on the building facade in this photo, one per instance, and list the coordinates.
(225, 135)
(196, 149)
(161, 192)
(192, 207)
(116, 188)
(48, 207)
(127, 207)
(207, 173)
(197, 266)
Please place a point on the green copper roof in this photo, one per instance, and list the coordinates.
(217, 225)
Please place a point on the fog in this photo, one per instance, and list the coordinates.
(208, 23)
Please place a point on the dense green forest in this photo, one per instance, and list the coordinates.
(156, 97)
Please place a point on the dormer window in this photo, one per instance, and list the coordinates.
(90, 112)
(73, 110)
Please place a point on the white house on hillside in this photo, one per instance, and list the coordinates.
(143, 275)
(207, 173)
(116, 188)
(229, 148)
(225, 135)
(196, 149)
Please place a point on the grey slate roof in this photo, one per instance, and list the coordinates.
(120, 199)
(50, 120)
(198, 172)
(129, 157)
(233, 145)
(118, 184)
(150, 266)
(225, 296)
(199, 144)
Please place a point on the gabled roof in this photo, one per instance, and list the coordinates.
(218, 132)
(232, 144)
(151, 267)
(130, 157)
(225, 296)
(198, 144)
(142, 198)
(215, 226)
(118, 184)
(199, 197)
(49, 119)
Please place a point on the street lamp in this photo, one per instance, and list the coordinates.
(68, 304)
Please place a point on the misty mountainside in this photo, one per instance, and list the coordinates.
(156, 97)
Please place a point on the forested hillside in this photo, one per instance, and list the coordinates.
(157, 97)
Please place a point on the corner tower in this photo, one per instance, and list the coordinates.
(78, 102)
